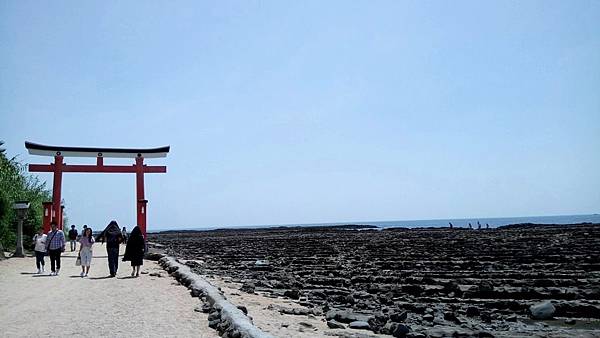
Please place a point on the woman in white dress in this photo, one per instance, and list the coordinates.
(85, 251)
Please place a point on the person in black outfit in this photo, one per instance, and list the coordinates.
(113, 237)
(73, 237)
(134, 251)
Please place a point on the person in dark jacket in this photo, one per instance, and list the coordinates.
(134, 251)
(73, 237)
(113, 237)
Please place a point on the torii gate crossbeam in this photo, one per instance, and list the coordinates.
(53, 211)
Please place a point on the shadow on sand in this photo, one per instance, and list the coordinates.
(104, 277)
(127, 277)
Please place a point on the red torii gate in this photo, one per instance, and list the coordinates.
(53, 210)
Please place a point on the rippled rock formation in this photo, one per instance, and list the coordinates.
(415, 281)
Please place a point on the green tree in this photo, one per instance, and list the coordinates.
(16, 185)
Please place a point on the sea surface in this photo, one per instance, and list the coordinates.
(456, 222)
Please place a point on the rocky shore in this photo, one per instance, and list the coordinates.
(524, 280)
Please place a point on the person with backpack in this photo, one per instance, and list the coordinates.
(55, 245)
(135, 250)
(73, 238)
(113, 237)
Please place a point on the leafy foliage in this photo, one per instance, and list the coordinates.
(17, 185)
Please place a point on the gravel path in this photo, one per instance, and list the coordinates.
(34, 305)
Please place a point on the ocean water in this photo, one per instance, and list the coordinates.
(493, 222)
(456, 222)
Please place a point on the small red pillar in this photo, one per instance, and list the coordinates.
(142, 208)
(62, 217)
(47, 216)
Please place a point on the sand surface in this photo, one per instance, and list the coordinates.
(34, 305)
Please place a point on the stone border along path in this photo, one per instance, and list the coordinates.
(226, 318)
(153, 305)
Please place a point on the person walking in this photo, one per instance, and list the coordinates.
(85, 251)
(73, 238)
(113, 237)
(135, 250)
(55, 245)
(124, 233)
(39, 242)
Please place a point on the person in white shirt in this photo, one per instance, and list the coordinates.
(39, 241)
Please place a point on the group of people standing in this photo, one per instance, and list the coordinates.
(54, 243)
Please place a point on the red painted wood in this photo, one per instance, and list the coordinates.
(47, 216)
(58, 168)
(56, 189)
(139, 184)
(85, 168)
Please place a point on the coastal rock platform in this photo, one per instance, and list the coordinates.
(523, 280)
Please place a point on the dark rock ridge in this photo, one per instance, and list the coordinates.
(416, 282)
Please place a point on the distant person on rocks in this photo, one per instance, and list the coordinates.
(73, 238)
(124, 233)
(85, 251)
(39, 242)
(134, 251)
(470, 226)
(55, 245)
(487, 226)
(451, 226)
(478, 225)
(113, 237)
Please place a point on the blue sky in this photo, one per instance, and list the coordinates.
(310, 111)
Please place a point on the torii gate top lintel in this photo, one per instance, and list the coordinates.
(44, 150)
(53, 211)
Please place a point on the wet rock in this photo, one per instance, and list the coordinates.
(451, 316)
(360, 325)
(428, 317)
(248, 287)
(415, 335)
(346, 316)
(206, 308)
(570, 321)
(377, 322)
(243, 309)
(486, 317)
(472, 311)
(439, 332)
(401, 331)
(399, 317)
(333, 324)
(293, 294)
(543, 310)
(305, 324)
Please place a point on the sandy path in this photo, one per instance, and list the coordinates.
(41, 305)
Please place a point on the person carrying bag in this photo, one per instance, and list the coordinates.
(55, 246)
